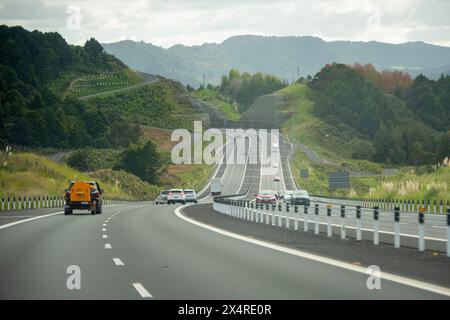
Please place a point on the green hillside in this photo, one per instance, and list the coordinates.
(220, 102)
(334, 145)
(30, 174)
(40, 77)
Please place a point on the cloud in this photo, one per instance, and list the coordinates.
(30, 10)
(168, 22)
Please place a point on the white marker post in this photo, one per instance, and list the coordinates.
(422, 229)
(397, 227)
(376, 225)
(316, 219)
(329, 229)
(296, 218)
(448, 232)
(305, 221)
(343, 222)
(280, 220)
(258, 212)
(358, 223)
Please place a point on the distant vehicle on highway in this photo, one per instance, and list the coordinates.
(288, 195)
(176, 196)
(300, 197)
(266, 196)
(276, 178)
(190, 195)
(83, 195)
(275, 165)
(162, 197)
(215, 187)
(275, 147)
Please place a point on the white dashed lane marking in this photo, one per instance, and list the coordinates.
(108, 246)
(142, 291)
(105, 236)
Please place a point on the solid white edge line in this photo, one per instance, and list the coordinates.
(118, 262)
(142, 291)
(340, 264)
(27, 220)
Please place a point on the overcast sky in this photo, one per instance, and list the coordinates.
(169, 22)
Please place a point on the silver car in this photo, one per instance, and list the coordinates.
(190, 195)
(162, 197)
(176, 196)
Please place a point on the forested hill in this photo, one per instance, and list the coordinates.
(37, 72)
(387, 117)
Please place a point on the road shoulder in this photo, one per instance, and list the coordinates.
(422, 266)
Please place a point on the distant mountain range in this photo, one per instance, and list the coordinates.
(276, 55)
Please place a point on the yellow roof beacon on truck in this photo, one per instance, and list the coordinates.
(83, 195)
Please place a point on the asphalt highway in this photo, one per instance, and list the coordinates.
(145, 251)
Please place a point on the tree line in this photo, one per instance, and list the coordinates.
(245, 88)
(387, 116)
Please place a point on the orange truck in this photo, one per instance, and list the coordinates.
(83, 195)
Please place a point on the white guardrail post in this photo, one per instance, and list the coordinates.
(358, 223)
(397, 227)
(279, 213)
(296, 217)
(343, 236)
(316, 218)
(253, 212)
(280, 220)
(258, 212)
(305, 220)
(422, 229)
(274, 207)
(448, 232)
(329, 229)
(376, 225)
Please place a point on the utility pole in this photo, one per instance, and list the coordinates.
(204, 86)
(298, 73)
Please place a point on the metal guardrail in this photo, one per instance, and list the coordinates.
(275, 215)
(13, 203)
(431, 206)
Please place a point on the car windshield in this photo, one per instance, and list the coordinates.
(301, 193)
(188, 191)
(266, 193)
(176, 191)
(165, 192)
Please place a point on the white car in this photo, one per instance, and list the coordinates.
(162, 197)
(176, 196)
(190, 195)
(275, 147)
(288, 195)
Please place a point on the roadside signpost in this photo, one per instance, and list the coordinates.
(339, 180)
